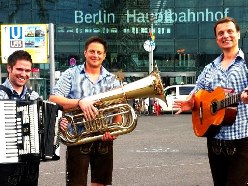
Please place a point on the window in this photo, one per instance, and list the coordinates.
(185, 90)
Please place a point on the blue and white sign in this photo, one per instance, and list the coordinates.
(32, 38)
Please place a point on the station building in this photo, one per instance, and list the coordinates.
(181, 30)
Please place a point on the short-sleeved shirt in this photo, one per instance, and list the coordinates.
(75, 83)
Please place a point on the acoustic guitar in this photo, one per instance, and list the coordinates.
(212, 110)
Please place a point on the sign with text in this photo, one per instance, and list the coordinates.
(32, 38)
(167, 16)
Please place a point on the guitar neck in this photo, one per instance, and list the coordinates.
(228, 101)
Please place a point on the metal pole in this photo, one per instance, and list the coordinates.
(51, 56)
(151, 55)
(151, 62)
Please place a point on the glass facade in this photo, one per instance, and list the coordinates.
(183, 32)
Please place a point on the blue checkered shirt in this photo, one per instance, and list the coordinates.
(234, 77)
(3, 95)
(75, 83)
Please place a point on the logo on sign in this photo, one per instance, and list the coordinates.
(15, 32)
(16, 44)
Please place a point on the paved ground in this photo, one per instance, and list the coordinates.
(162, 150)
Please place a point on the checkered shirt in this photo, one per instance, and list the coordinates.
(234, 77)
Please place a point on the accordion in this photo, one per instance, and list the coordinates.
(29, 129)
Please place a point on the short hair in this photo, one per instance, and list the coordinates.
(226, 20)
(95, 39)
(18, 55)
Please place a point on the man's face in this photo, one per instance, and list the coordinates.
(20, 73)
(227, 36)
(95, 54)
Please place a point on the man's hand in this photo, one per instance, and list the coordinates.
(107, 137)
(185, 105)
(88, 108)
(244, 96)
(63, 124)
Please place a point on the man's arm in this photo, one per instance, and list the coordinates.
(64, 102)
(86, 105)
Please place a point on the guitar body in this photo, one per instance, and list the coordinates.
(206, 120)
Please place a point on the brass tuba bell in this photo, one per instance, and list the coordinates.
(111, 104)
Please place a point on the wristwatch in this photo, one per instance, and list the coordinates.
(149, 45)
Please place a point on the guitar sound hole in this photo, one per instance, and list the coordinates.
(214, 107)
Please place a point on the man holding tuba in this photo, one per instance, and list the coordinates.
(71, 91)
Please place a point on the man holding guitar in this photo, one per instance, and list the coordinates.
(227, 138)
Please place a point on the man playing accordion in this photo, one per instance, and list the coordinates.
(19, 70)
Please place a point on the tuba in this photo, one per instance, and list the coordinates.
(110, 104)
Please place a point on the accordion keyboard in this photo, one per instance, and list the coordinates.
(8, 133)
(29, 129)
(20, 134)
